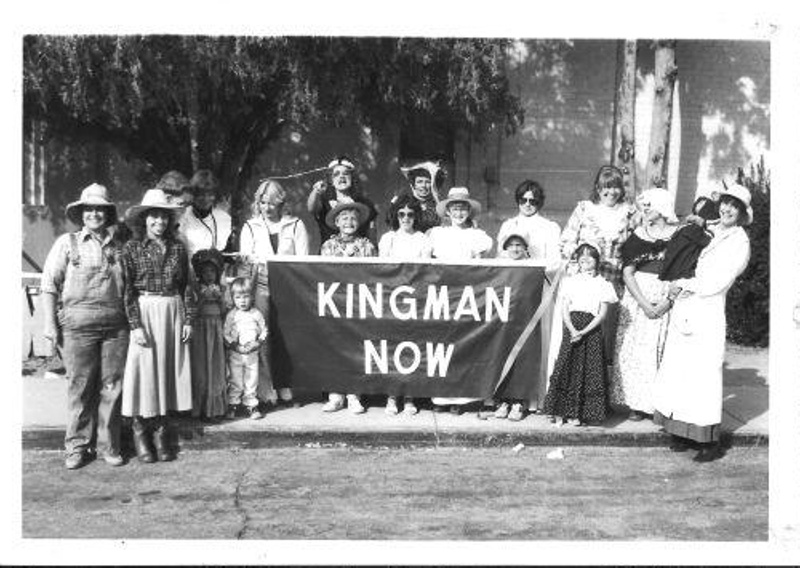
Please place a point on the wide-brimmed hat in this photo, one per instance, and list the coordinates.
(741, 193)
(661, 201)
(432, 169)
(205, 256)
(457, 194)
(363, 213)
(152, 199)
(96, 195)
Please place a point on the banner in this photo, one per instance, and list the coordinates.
(413, 328)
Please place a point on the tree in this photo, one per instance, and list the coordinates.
(665, 73)
(623, 135)
(186, 102)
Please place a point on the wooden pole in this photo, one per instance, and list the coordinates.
(622, 146)
(666, 71)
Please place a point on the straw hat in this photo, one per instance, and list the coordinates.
(96, 195)
(741, 193)
(152, 199)
(363, 213)
(455, 195)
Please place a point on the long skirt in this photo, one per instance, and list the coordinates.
(208, 367)
(578, 384)
(639, 347)
(158, 377)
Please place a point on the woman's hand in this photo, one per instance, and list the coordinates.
(139, 337)
(577, 335)
(186, 333)
(651, 310)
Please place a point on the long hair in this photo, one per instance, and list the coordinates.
(139, 229)
(403, 201)
(355, 189)
(535, 188)
(263, 188)
(608, 176)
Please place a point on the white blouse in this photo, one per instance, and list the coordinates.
(542, 235)
(584, 293)
(255, 242)
(454, 243)
(402, 245)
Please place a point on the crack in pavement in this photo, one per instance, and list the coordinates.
(237, 502)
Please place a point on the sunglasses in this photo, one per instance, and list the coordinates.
(404, 215)
(528, 201)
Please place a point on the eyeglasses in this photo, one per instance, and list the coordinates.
(404, 215)
(528, 201)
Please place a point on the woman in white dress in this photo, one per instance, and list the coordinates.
(458, 241)
(688, 391)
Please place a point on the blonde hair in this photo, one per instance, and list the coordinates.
(271, 188)
(242, 284)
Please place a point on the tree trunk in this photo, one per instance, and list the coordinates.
(665, 73)
(193, 111)
(622, 143)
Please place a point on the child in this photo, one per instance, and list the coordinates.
(515, 247)
(577, 390)
(347, 218)
(208, 349)
(245, 331)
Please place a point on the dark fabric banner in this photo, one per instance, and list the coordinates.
(419, 329)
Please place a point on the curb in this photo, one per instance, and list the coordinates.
(199, 437)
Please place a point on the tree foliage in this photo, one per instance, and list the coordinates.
(189, 102)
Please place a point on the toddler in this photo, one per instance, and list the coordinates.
(577, 390)
(245, 331)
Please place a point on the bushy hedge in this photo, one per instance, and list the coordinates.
(747, 306)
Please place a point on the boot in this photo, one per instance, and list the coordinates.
(141, 442)
(161, 441)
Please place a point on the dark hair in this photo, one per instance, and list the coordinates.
(354, 188)
(736, 202)
(204, 180)
(173, 182)
(402, 201)
(139, 228)
(608, 176)
(706, 208)
(586, 248)
(532, 186)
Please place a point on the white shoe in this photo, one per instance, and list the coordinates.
(391, 406)
(333, 405)
(516, 413)
(410, 408)
(354, 405)
(502, 411)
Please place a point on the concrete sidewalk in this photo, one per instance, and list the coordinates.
(745, 418)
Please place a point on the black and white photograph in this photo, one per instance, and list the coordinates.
(365, 285)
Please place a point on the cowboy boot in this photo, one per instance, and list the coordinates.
(161, 440)
(140, 441)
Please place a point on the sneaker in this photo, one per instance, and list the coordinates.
(355, 406)
(516, 413)
(255, 413)
(391, 406)
(456, 410)
(333, 405)
(502, 411)
(76, 460)
(410, 408)
(113, 458)
(230, 414)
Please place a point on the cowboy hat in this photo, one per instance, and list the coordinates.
(152, 199)
(741, 193)
(363, 213)
(458, 194)
(96, 195)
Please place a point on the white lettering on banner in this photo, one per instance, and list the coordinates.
(376, 360)
(411, 313)
(403, 303)
(325, 299)
(492, 299)
(375, 302)
(437, 306)
(467, 297)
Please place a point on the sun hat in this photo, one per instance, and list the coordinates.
(152, 199)
(206, 256)
(363, 213)
(458, 194)
(661, 201)
(431, 169)
(514, 236)
(94, 194)
(741, 193)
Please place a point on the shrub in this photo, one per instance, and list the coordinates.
(747, 307)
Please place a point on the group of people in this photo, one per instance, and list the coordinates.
(165, 313)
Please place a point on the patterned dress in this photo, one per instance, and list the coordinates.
(208, 354)
(640, 340)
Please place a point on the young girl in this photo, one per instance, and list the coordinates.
(245, 332)
(208, 350)
(577, 390)
(347, 218)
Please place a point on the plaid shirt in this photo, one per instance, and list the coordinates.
(148, 269)
(93, 251)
